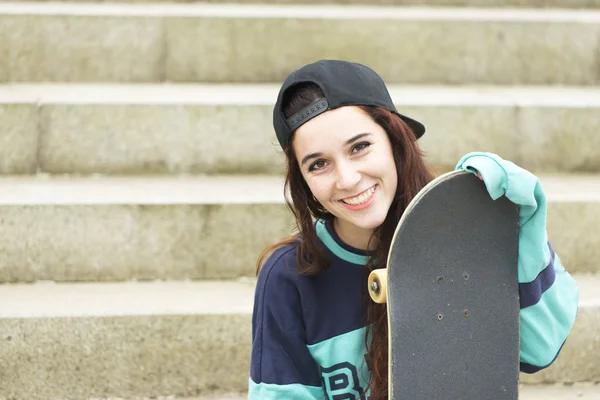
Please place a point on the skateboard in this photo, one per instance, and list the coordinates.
(452, 294)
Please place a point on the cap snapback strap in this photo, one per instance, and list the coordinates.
(307, 113)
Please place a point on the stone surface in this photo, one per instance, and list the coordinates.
(453, 131)
(76, 48)
(175, 339)
(440, 3)
(227, 129)
(578, 361)
(96, 243)
(88, 341)
(552, 136)
(571, 228)
(19, 133)
(583, 391)
(199, 228)
(475, 51)
(127, 299)
(124, 356)
(134, 43)
(526, 392)
(131, 139)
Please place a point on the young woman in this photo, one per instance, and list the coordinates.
(353, 166)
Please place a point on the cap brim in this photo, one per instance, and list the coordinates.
(417, 127)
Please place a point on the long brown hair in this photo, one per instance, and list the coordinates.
(413, 175)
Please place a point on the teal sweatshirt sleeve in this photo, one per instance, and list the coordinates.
(549, 296)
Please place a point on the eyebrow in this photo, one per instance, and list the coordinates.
(349, 141)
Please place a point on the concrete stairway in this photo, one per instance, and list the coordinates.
(98, 339)
(169, 334)
(139, 164)
(564, 4)
(116, 228)
(147, 43)
(226, 129)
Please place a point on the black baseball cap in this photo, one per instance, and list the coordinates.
(344, 83)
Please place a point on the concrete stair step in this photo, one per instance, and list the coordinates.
(84, 42)
(227, 129)
(99, 229)
(526, 392)
(130, 339)
(587, 391)
(426, 3)
(185, 338)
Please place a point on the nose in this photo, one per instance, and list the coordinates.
(347, 177)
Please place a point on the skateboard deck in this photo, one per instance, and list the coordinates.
(452, 294)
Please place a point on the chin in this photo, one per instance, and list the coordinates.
(369, 222)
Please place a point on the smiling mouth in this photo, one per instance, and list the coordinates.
(361, 198)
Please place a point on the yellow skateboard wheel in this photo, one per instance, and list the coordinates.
(378, 285)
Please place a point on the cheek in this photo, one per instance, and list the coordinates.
(388, 170)
(394, 181)
(318, 188)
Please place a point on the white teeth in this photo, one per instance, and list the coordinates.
(360, 199)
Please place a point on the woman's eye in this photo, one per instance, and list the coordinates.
(360, 147)
(317, 165)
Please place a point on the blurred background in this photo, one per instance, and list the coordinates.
(141, 177)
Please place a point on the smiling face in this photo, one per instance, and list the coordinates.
(346, 159)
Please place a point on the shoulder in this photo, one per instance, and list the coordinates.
(277, 296)
(280, 268)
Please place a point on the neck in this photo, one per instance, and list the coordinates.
(353, 236)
